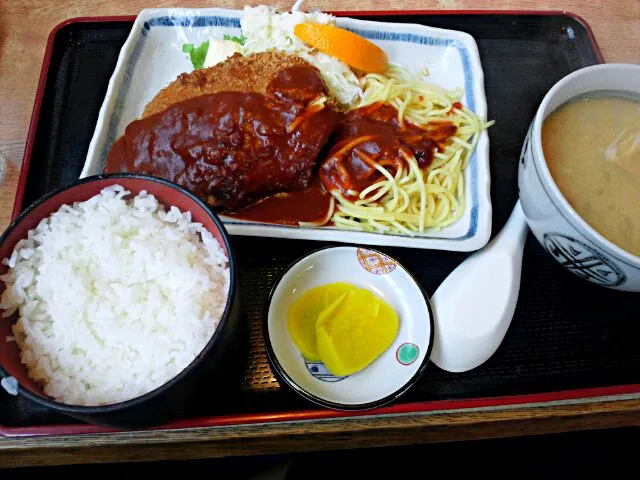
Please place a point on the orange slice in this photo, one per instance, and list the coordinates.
(352, 49)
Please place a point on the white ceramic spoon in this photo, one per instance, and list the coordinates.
(474, 305)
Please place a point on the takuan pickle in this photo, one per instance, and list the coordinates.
(343, 326)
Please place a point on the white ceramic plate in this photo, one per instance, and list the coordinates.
(393, 372)
(152, 57)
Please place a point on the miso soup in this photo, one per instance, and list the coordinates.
(592, 147)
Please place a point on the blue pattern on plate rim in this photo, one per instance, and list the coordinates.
(321, 372)
(234, 22)
(202, 21)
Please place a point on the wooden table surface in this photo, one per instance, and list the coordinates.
(24, 27)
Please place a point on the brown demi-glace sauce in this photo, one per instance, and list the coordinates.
(309, 205)
(255, 156)
(233, 148)
(372, 135)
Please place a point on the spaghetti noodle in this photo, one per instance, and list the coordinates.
(409, 199)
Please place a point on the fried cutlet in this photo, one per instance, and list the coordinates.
(236, 74)
(234, 133)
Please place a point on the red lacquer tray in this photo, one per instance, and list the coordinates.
(570, 342)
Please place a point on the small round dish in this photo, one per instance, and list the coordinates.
(394, 371)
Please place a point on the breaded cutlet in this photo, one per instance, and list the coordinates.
(236, 74)
(235, 133)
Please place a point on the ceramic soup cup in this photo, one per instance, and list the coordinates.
(564, 234)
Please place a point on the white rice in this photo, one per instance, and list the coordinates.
(114, 297)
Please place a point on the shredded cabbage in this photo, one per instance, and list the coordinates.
(266, 29)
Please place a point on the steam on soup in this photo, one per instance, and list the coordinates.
(592, 147)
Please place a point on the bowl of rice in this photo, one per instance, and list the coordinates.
(118, 302)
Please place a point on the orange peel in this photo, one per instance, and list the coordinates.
(349, 47)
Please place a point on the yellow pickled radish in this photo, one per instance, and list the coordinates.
(304, 312)
(353, 332)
